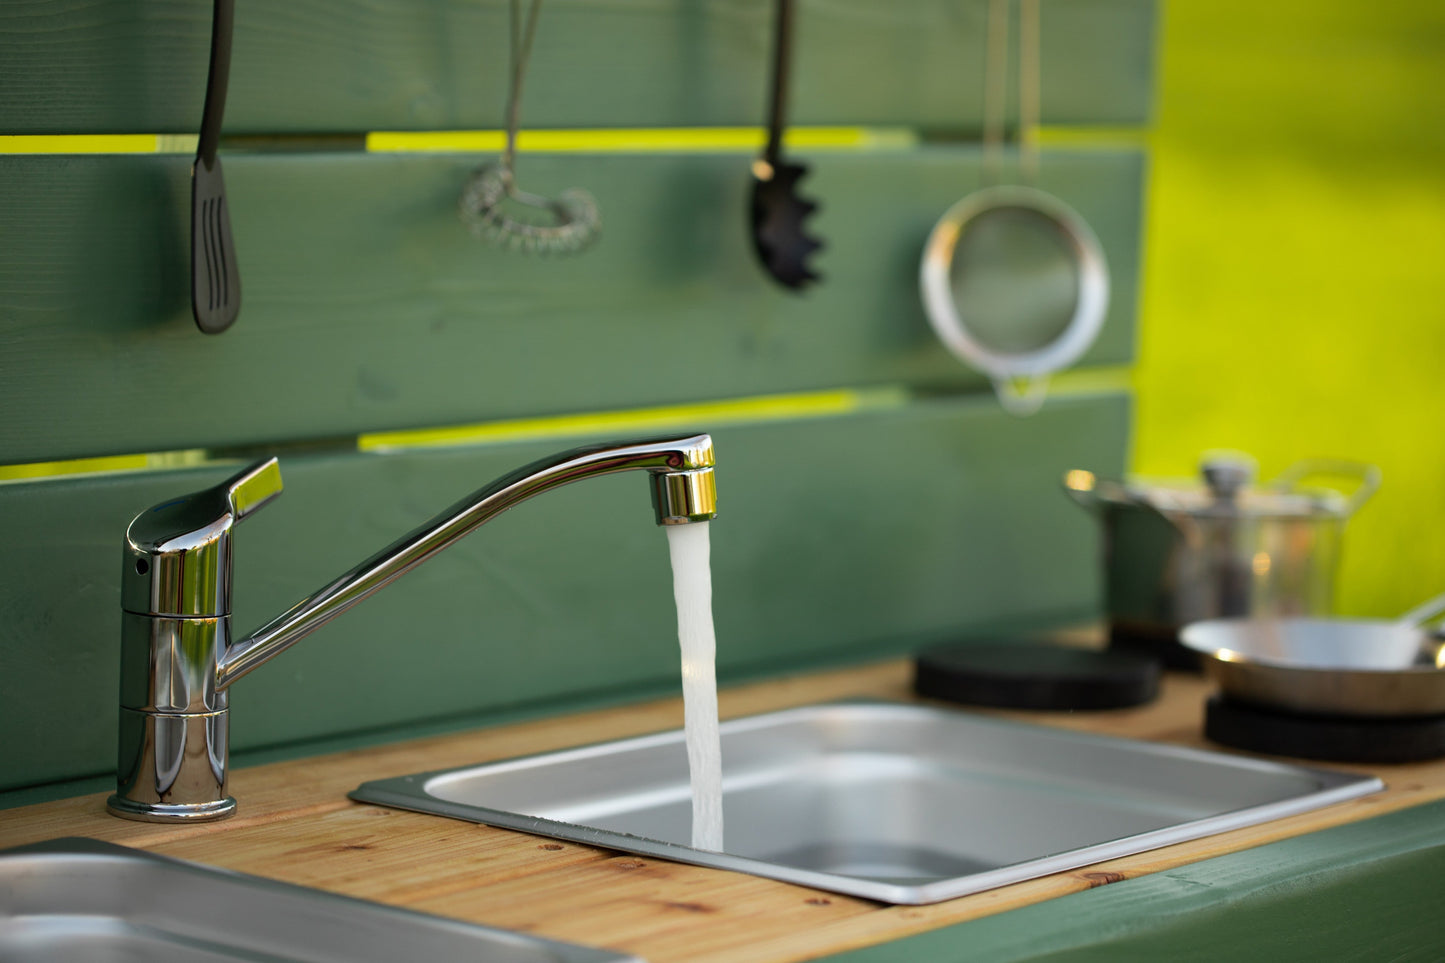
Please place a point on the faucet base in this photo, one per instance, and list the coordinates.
(118, 805)
(171, 767)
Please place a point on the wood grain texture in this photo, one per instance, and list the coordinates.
(367, 306)
(97, 66)
(827, 548)
(296, 825)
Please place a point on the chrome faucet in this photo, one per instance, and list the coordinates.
(177, 656)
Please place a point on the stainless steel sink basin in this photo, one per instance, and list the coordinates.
(81, 900)
(899, 803)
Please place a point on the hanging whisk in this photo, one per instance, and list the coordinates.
(562, 225)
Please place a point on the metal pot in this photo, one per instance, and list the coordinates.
(1181, 552)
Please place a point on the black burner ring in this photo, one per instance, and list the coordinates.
(1330, 738)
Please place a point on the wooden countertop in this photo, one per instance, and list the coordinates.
(296, 824)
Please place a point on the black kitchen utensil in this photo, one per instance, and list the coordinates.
(215, 277)
(778, 211)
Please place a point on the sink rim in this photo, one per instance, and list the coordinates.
(125, 914)
(410, 793)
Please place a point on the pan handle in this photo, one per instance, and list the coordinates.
(1424, 612)
(1369, 477)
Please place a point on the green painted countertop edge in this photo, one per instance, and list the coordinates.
(1360, 891)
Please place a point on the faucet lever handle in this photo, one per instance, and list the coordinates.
(178, 553)
(252, 488)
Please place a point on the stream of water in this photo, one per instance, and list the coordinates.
(692, 589)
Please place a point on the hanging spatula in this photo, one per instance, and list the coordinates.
(215, 278)
(778, 211)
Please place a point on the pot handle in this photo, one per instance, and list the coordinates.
(1093, 492)
(1369, 476)
(1085, 488)
(1080, 486)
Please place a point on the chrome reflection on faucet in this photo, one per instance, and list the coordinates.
(177, 656)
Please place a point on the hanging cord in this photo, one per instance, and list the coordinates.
(575, 221)
(1029, 84)
(1020, 395)
(995, 91)
(519, 53)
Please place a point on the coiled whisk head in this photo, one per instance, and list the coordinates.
(566, 224)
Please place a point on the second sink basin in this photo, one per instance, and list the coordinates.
(899, 803)
(80, 900)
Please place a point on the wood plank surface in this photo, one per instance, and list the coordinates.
(367, 305)
(296, 825)
(139, 66)
(827, 547)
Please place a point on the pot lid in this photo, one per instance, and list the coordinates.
(1225, 488)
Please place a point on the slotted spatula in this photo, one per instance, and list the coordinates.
(215, 277)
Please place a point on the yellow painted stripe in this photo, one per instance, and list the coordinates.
(177, 143)
(642, 140)
(1092, 381)
(107, 465)
(78, 143)
(628, 140)
(1100, 138)
(403, 141)
(601, 140)
(706, 415)
(703, 415)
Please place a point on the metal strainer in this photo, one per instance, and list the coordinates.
(1013, 280)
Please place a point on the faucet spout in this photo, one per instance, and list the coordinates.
(683, 491)
(177, 660)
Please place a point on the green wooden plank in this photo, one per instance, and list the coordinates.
(367, 305)
(1363, 891)
(838, 539)
(79, 66)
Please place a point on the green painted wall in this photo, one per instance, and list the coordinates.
(916, 510)
(368, 306)
(74, 66)
(827, 548)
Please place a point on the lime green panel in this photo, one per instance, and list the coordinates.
(838, 539)
(1364, 891)
(79, 66)
(367, 305)
(1297, 262)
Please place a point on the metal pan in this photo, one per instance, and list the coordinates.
(1321, 666)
